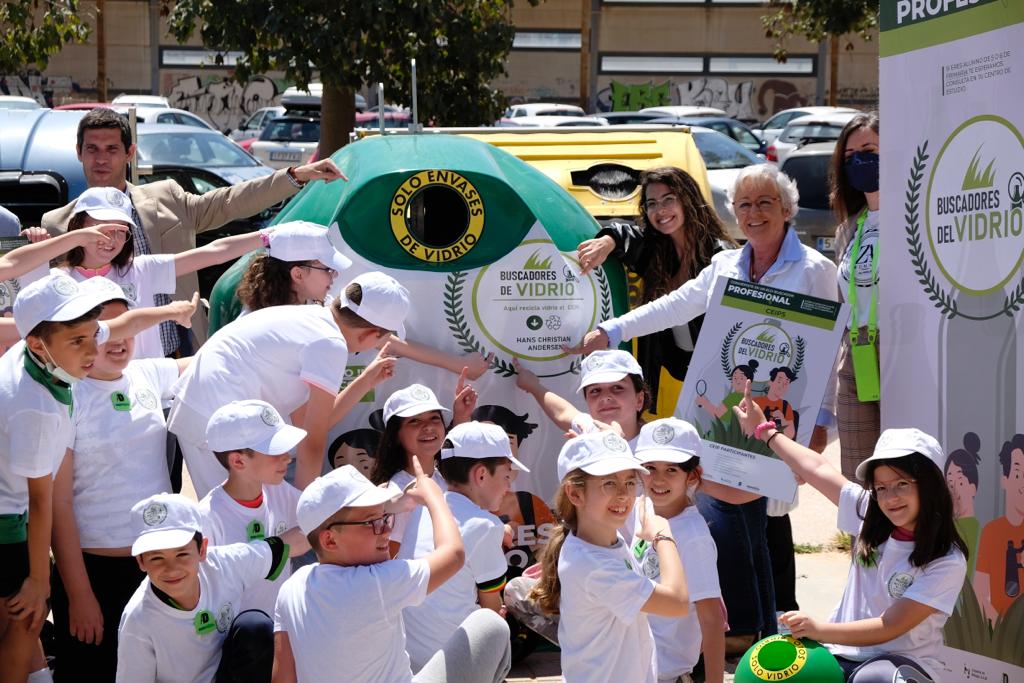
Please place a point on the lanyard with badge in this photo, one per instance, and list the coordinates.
(865, 357)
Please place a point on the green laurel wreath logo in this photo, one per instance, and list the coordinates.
(456, 319)
(726, 355)
(942, 299)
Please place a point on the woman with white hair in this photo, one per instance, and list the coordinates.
(764, 201)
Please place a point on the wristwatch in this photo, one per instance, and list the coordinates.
(293, 180)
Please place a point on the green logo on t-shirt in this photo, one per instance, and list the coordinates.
(204, 622)
(255, 530)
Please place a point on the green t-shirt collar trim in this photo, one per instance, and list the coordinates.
(59, 390)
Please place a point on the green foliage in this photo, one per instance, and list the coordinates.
(842, 541)
(729, 433)
(807, 548)
(968, 629)
(459, 46)
(31, 31)
(816, 20)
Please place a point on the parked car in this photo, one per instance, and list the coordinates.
(18, 102)
(805, 130)
(295, 99)
(809, 167)
(552, 121)
(392, 119)
(207, 149)
(287, 140)
(543, 109)
(140, 101)
(770, 129)
(683, 110)
(723, 158)
(627, 118)
(731, 128)
(144, 114)
(253, 126)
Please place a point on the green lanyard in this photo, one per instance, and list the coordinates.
(851, 296)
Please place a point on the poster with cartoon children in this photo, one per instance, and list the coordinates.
(785, 344)
(999, 570)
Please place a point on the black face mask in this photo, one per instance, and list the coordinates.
(862, 171)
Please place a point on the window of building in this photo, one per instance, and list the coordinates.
(651, 64)
(196, 57)
(546, 40)
(737, 64)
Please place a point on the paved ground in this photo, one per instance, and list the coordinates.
(819, 582)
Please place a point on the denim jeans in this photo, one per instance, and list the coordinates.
(744, 565)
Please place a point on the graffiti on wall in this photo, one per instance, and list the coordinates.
(746, 99)
(225, 104)
(48, 91)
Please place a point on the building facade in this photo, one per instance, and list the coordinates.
(641, 53)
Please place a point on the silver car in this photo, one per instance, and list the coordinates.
(175, 145)
(809, 167)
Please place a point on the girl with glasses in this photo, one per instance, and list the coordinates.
(909, 563)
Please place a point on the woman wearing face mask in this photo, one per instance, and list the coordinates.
(855, 197)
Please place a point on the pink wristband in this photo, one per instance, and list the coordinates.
(265, 238)
(761, 427)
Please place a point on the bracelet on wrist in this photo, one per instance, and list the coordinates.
(265, 238)
(768, 441)
(759, 429)
(661, 537)
(293, 179)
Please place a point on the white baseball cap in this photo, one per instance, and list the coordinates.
(345, 487)
(251, 424)
(163, 521)
(412, 400)
(56, 298)
(477, 440)
(607, 366)
(105, 204)
(597, 453)
(385, 301)
(896, 443)
(107, 290)
(305, 241)
(668, 440)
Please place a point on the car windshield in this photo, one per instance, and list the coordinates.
(811, 175)
(192, 149)
(721, 152)
(18, 104)
(817, 132)
(291, 131)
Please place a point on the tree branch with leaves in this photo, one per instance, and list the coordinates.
(32, 31)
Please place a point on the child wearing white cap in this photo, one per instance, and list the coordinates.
(670, 450)
(909, 561)
(294, 358)
(414, 425)
(252, 442)
(117, 459)
(184, 624)
(57, 318)
(145, 275)
(476, 462)
(340, 619)
(590, 577)
(612, 384)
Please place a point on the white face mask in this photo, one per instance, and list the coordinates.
(57, 371)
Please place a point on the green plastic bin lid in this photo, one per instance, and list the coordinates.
(785, 658)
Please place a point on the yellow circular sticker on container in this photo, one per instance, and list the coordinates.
(778, 658)
(410, 216)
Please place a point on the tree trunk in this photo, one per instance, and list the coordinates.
(101, 51)
(833, 71)
(337, 118)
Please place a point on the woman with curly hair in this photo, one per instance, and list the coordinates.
(676, 234)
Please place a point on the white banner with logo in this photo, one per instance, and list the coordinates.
(952, 291)
(785, 344)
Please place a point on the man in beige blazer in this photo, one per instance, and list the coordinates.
(168, 216)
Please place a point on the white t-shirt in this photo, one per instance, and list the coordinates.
(872, 590)
(273, 354)
(119, 449)
(429, 625)
(412, 519)
(157, 642)
(147, 275)
(679, 640)
(35, 431)
(225, 521)
(862, 270)
(345, 623)
(602, 632)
